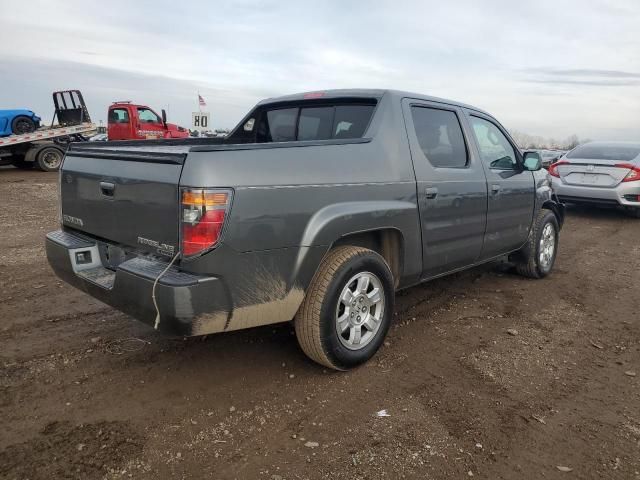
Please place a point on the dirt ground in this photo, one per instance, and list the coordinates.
(86, 392)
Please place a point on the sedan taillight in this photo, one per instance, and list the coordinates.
(553, 168)
(203, 215)
(634, 172)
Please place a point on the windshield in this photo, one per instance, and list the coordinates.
(146, 115)
(606, 152)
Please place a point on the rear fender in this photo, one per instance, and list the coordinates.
(268, 286)
(335, 222)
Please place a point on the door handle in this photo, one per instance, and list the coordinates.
(431, 192)
(107, 189)
(495, 189)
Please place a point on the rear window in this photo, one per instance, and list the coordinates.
(605, 152)
(316, 123)
(325, 122)
(281, 124)
(118, 115)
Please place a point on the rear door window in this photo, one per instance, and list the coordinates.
(440, 137)
(324, 122)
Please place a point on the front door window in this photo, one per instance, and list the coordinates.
(496, 151)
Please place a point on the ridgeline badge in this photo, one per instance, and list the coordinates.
(161, 248)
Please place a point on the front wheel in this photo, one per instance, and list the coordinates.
(347, 309)
(539, 254)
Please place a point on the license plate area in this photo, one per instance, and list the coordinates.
(112, 255)
(590, 179)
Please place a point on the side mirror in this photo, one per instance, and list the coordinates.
(532, 161)
(164, 117)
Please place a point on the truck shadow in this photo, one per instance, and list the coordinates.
(596, 212)
(20, 174)
(266, 349)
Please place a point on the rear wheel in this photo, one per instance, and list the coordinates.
(49, 159)
(347, 309)
(22, 124)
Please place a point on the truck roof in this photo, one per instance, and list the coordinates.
(364, 93)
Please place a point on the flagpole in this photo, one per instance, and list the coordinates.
(199, 106)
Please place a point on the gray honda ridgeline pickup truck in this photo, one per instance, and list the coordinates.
(316, 208)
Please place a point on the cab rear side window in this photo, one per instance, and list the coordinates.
(322, 122)
(118, 115)
(440, 137)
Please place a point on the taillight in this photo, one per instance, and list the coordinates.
(553, 168)
(634, 172)
(203, 215)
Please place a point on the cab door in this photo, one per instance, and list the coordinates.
(451, 185)
(511, 188)
(119, 124)
(149, 124)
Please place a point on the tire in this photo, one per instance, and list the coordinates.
(18, 161)
(534, 262)
(49, 159)
(317, 321)
(22, 124)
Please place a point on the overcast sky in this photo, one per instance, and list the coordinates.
(549, 67)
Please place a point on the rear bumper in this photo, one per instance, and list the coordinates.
(622, 195)
(185, 301)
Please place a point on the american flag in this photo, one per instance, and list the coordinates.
(201, 101)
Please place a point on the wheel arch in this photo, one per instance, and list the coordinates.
(557, 208)
(35, 154)
(380, 225)
(388, 242)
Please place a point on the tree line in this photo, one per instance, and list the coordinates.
(524, 140)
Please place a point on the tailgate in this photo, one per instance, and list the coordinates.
(125, 197)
